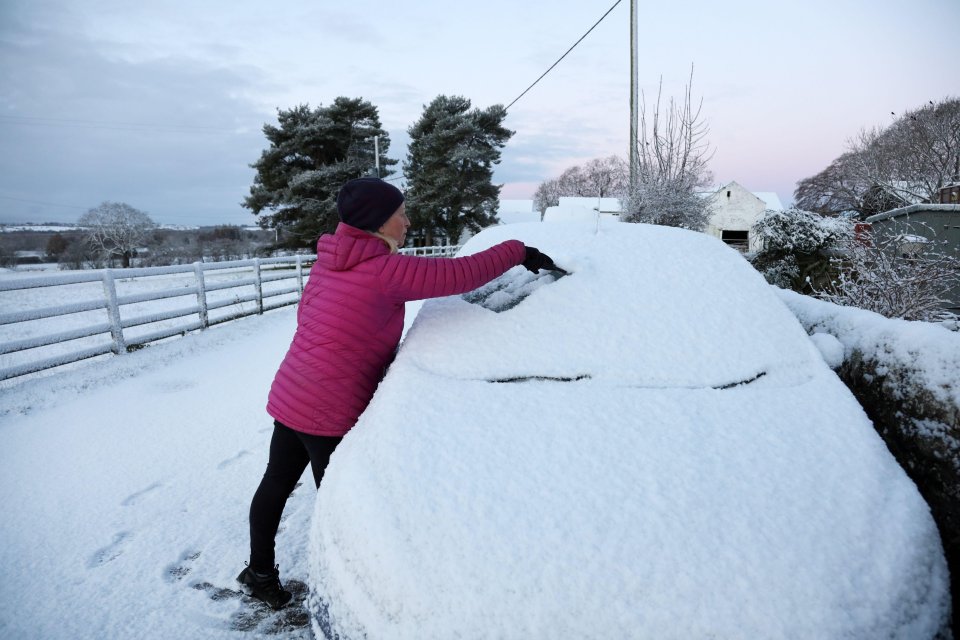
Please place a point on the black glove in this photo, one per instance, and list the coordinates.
(534, 260)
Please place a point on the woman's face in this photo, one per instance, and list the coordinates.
(396, 226)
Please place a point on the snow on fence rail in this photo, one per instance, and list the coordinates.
(58, 319)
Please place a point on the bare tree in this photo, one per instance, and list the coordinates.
(598, 178)
(606, 177)
(115, 229)
(885, 168)
(672, 158)
(834, 190)
(574, 182)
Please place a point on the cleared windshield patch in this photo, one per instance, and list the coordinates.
(510, 289)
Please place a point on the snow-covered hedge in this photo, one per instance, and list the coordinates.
(907, 377)
(796, 245)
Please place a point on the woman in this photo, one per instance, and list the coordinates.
(348, 327)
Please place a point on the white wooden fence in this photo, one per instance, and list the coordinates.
(283, 275)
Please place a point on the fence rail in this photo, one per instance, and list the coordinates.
(133, 319)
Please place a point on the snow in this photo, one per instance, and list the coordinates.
(929, 351)
(125, 485)
(36, 227)
(512, 211)
(648, 447)
(830, 348)
(638, 502)
(770, 199)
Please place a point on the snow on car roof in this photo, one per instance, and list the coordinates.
(623, 314)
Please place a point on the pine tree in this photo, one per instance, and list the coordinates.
(312, 153)
(449, 168)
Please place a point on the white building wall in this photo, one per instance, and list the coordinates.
(733, 208)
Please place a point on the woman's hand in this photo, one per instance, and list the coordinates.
(535, 260)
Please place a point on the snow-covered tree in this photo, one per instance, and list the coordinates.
(115, 230)
(311, 154)
(672, 157)
(449, 167)
(796, 246)
(898, 277)
(547, 195)
(598, 178)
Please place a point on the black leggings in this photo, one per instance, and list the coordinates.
(290, 451)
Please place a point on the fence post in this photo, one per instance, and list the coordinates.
(258, 285)
(300, 274)
(201, 295)
(113, 312)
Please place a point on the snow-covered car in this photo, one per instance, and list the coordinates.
(649, 447)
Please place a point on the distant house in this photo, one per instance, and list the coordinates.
(936, 226)
(590, 210)
(734, 211)
(610, 206)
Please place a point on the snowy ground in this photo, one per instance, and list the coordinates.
(125, 485)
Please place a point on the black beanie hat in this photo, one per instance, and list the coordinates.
(366, 203)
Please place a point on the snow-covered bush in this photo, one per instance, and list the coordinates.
(896, 277)
(796, 246)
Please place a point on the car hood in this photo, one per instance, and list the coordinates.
(579, 509)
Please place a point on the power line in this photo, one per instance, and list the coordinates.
(564, 55)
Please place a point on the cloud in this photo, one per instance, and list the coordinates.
(81, 125)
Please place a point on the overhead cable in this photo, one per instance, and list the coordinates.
(564, 55)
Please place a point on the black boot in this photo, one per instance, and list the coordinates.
(265, 586)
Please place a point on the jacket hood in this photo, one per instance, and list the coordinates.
(348, 247)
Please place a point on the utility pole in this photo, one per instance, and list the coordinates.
(376, 153)
(633, 95)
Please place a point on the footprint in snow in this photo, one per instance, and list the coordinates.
(229, 461)
(179, 570)
(134, 498)
(256, 617)
(173, 386)
(110, 552)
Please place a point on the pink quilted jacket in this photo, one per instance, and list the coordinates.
(350, 320)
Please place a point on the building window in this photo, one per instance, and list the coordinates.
(739, 240)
